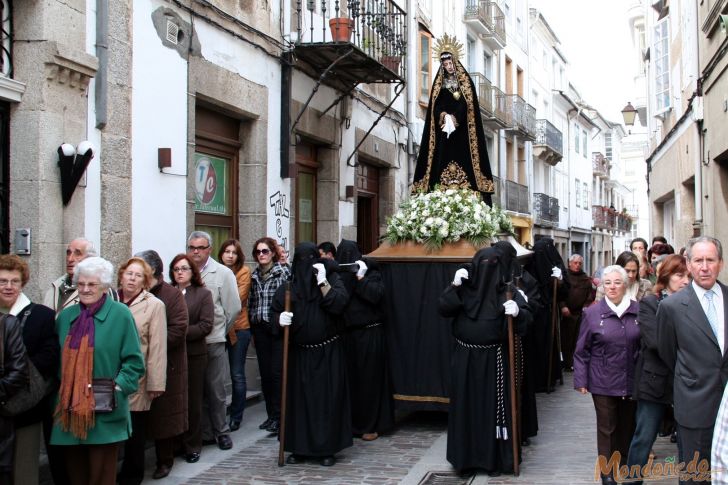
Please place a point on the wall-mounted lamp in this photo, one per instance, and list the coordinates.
(73, 163)
(629, 113)
(164, 158)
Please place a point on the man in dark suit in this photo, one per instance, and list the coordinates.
(691, 340)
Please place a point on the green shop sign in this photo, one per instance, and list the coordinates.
(211, 184)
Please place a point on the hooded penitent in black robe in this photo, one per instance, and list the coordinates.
(372, 406)
(460, 160)
(479, 422)
(318, 421)
(544, 258)
(527, 373)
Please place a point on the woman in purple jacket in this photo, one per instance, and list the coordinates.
(604, 362)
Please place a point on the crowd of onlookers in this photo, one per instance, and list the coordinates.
(126, 356)
(651, 352)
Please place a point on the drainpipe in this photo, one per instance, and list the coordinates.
(102, 53)
(411, 91)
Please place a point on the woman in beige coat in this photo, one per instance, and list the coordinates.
(135, 277)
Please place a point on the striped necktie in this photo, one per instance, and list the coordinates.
(710, 311)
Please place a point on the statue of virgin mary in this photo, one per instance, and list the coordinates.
(452, 151)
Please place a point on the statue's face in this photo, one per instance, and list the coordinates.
(449, 66)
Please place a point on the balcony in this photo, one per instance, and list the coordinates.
(549, 143)
(546, 210)
(492, 103)
(604, 218)
(374, 51)
(624, 222)
(516, 197)
(487, 20)
(600, 165)
(520, 117)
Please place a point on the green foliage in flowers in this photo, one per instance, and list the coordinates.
(441, 216)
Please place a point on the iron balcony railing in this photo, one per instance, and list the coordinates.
(604, 217)
(492, 102)
(477, 10)
(378, 27)
(550, 136)
(546, 210)
(516, 197)
(6, 37)
(600, 165)
(498, 22)
(520, 115)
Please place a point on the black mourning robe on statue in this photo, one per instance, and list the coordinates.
(544, 258)
(318, 421)
(460, 160)
(479, 422)
(372, 406)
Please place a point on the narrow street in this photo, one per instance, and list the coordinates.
(564, 452)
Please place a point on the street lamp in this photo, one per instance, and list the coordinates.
(629, 113)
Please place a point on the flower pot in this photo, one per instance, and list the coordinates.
(341, 28)
(391, 63)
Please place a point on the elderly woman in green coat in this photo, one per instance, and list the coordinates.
(98, 340)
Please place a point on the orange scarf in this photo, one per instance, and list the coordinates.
(75, 409)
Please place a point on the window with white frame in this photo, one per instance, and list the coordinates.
(577, 192)
(471, 54)
(576, 139)
(608, 145)
(488, 65)
(662, 66)
(585, 197)
(583, 142)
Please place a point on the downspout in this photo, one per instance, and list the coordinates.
(698, 223)
(102, 53)
(286, 91)
(411, 94)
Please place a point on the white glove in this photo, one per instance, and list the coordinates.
(449, 125)
(460, 275)
(320, 272)
(511, 308)
(556, 273)
(362, 269)
(285, 319)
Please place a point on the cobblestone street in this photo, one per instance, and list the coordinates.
(564, 452)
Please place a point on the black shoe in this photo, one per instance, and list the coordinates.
(328, 461)
(274, 427)
(494, 473)
(265, 423)
(192, 457)
(161, 472)
(526, 442)
(208, 442)
(673, 437)
(234, 425)
(224, 442)
(294, 459)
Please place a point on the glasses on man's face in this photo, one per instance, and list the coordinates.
(197, 248)
(181, 269)
(13, 283)
(262, 251)
(87, 286)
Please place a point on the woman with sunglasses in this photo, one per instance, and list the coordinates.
(267, 277)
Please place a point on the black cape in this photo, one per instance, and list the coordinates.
(460, 160)
(480, 365)
(372, 405)
(318, 421)
(544, 258)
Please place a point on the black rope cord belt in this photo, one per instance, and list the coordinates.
(319, 345)
(501, 430)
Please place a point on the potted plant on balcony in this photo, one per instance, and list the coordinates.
(341, 28)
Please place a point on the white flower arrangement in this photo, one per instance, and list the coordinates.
(434, 218)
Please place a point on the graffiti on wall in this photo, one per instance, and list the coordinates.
(278, 202)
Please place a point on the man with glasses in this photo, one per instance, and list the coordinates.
(221, 282)
(62, 293)
(691, 334)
